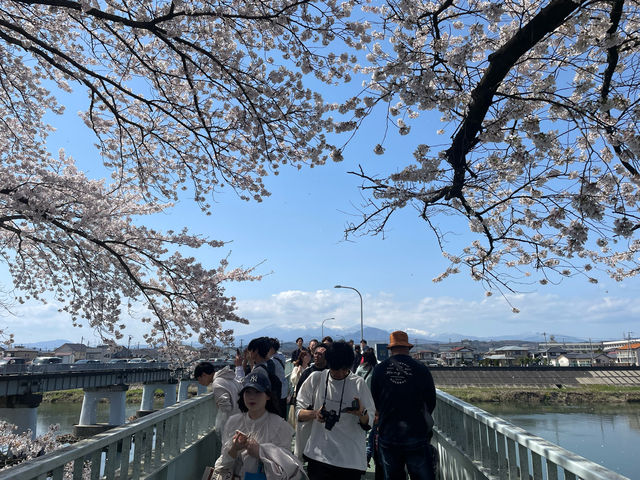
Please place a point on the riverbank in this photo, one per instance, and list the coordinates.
(133, 395)
(588, 394)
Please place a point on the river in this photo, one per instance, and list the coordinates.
(608, 435)
(67, 414)
(605, 434)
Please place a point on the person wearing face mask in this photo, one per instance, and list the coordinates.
(257, 441)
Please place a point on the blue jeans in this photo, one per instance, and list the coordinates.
(416, 457)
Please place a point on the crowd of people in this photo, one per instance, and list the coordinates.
(337, 410)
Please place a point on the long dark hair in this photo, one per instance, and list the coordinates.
(304, 350)
(271, 406)
(369, 357)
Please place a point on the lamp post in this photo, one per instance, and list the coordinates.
(361, 318)
(330, 318)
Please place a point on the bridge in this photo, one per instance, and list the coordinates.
(178, 442)
(21, 389)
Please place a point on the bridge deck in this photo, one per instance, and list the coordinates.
(178, 442)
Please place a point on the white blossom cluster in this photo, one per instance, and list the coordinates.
(540, 100)
(17, 447)
(182, 96)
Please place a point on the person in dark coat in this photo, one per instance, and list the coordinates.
(405, 397)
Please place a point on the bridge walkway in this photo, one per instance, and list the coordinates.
(178, 442)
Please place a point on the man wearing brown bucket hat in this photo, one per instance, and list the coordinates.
(405, 397)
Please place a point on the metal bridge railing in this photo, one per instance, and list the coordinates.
(178, 441)
(474, 444)
(141, 449)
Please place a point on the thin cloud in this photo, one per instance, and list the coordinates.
(492, 316)
(604, 316)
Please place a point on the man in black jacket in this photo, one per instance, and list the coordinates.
(405, 397)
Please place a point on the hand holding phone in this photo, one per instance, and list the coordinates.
(355, 406)
(240, 440)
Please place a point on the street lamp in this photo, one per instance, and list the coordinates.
(330, 318)
(361, 320)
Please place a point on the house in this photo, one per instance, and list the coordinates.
(458, 356)
(22, 352)
(549, 355)
(102, 353)
(146, 353)
(573, 359)
(629, 354)
(429, 357)
(604, 359)
(507, 355)
(71, 352)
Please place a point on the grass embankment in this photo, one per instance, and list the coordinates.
(133, 395)
(588, 394)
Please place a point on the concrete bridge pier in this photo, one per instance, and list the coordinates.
(183, 389)
(148, 389)
(22, 411)
(116, 395)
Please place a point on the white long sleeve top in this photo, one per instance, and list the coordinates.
(225, 389)
(269, 428)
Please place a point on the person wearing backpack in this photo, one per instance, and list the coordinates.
(279, 361)
(259, 349)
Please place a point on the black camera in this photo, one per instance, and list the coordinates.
(330, 418)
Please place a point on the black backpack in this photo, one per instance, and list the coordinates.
(276, 384)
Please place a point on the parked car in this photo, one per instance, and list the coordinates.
(12, 361)
(84, 363)
(118, 360)
(137, 360)
(46, 360)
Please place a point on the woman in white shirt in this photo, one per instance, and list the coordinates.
(247, 433)
(299, 365)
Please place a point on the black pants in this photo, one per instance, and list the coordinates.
(323, 471)
(282, 407)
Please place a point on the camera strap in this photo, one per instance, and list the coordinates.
(326, 389)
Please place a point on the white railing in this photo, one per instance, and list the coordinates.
(138, 450)
(178, 441)
(474, 444)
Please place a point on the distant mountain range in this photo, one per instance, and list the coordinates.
(371, 334)
(47, 345)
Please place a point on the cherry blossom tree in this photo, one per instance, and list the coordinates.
(184, 98)
(538, 103)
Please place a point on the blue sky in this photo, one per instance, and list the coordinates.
(296, 239)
